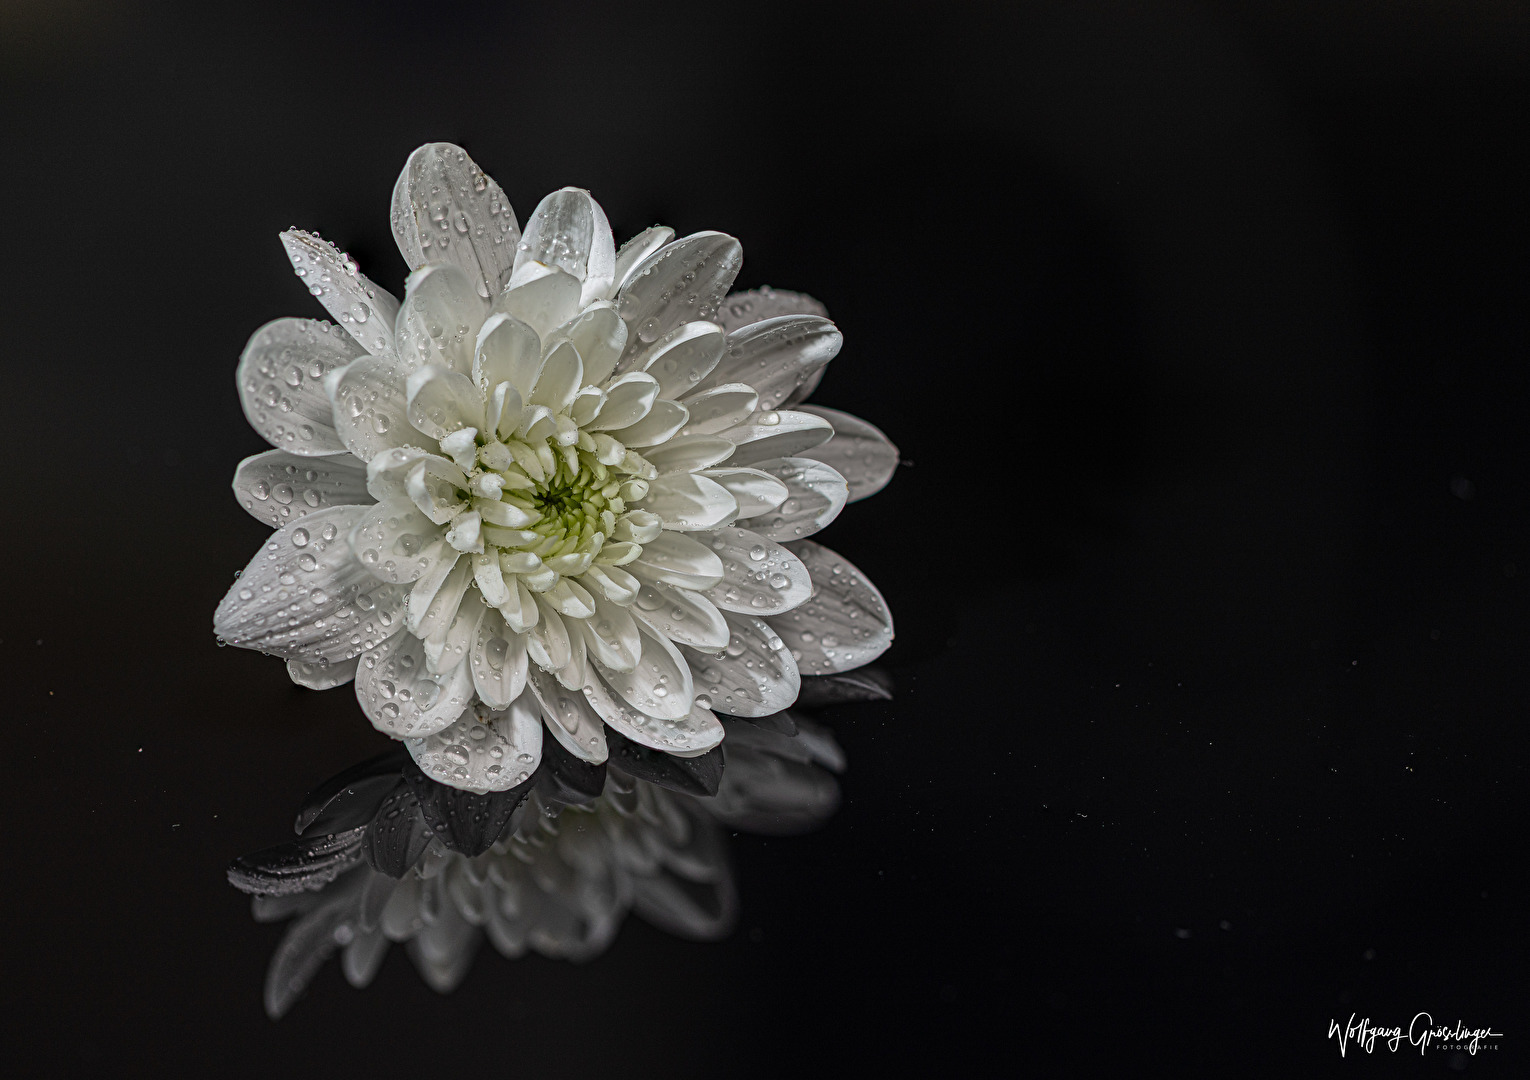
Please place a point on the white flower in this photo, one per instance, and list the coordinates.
(560, 482)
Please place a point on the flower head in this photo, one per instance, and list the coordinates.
(560, 484)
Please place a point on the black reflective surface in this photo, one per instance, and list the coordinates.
(1202, 333)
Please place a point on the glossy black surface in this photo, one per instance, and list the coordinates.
(1203, 335)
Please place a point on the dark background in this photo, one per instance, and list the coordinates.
(1202, 330)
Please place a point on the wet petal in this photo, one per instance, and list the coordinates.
(446, 649)
(321, 676)
(401, 697)
(664, 419)
(370, 412)
(683, 616)
(569, 230)
(439, 319)
(694, 733)
(683, 358)
(859, 451)
(277, 487)
(753, 305)
(600, 335)
(281, 384)
(561, 377)
(569, 717)
(507, 350)
(636, 251)
(676, 559)
(482, 750)
(660, 685)
(680, 282)
(845, 624)
(760, 577)
(777, 356)
(395, 542)
(303, 597)
(431, 611)
(628, 399)
(755, 490)
(816, 493)
(755, 675)
(362, 307)
(688, 502)
(719, 408)
(689, 453)
(545, 299)
(498, 661)
(548, 641)
(445, 209)
(441, 401)
(773, 434)
(611, 635)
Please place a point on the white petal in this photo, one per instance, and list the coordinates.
(587, 405)
(611, 634)
(845, 625)
(680, 282)
(431, 610)
(612, 582)
(395, 542)
(635, 251)
(689, 502)
(371, 413)
(600, 335)
(664, 419)
(743, 308)
(689, 453)
(777, 434)
(816, 495)
(445, 209)
(719, 408)
(760, 577)
(569, 717)
(777, 356)
(281, 384)
(683, 616)
(754, 676)
(569, 230)
(435, 486)
(364, 308)
(442, 401)
(682, 358)
(277, 487)
(660, 685)
(507, 350)
(858, 451)
(546, 299)
(547, 641)
(561, 377)
(482, 750)
(629, 398)
(439, 319)
(388, 472)
(520, 610)
(322, 676)
(303, 597)
(676, 559)
(574, 673)
(401, 697)
(755, 490)
(446, 651)
(694, 733)
(499, 661)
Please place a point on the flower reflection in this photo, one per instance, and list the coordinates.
(386, 854)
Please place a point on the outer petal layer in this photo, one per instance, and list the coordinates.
(277, 487)
(281, 384)
(859, 451)
(845, 625)
(446, 209)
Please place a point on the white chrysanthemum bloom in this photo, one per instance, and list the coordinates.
(559, 482)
